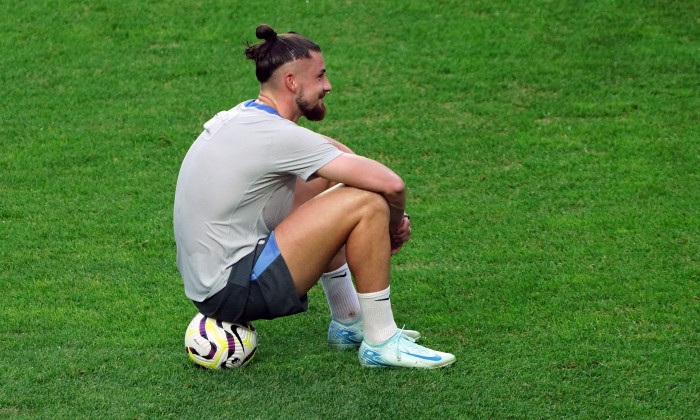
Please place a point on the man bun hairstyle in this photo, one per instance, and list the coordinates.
(265, 32)
(277, 49)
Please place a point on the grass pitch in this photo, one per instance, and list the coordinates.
(551, 150)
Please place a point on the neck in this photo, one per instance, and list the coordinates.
(285, 110)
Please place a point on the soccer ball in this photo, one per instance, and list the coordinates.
(214, 344)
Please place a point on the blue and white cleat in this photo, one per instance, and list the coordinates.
(402, 351)
(343, 336)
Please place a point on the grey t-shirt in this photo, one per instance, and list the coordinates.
(236, 184)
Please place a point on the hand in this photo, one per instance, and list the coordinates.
(401, 235)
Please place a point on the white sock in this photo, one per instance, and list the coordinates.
(341, 294)
(377, 317)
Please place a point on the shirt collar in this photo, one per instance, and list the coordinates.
(266, 108)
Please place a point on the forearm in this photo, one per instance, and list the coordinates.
(397, 206)
(367, 174)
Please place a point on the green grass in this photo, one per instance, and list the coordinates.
(551, 151)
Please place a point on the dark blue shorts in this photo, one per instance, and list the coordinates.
(259, 287)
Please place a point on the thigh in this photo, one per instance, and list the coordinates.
(304, 192)
(313, 234)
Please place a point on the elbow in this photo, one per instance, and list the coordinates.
(396, 189)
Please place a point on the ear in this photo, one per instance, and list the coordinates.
(290, 81)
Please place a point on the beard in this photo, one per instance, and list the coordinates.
(312, 113)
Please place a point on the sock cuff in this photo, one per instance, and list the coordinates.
(335, 272)
(375, 295)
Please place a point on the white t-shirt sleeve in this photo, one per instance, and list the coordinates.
(302, 153)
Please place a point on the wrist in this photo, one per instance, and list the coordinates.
(405, 220)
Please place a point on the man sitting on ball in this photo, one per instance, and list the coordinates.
(245, 255)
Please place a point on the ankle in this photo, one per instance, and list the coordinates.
(377, 317)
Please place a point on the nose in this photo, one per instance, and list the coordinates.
(327, 87)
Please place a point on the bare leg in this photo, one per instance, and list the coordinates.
(336, 280)
(314, 234)
(304, 192)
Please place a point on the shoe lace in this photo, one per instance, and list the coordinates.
(399, 340)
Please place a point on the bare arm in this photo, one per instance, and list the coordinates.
(401, 230)
(370, 175)
(340, 146)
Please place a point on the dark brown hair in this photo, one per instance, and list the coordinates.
(276, 50)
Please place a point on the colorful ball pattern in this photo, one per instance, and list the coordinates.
(214, 344)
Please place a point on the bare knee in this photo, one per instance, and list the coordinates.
(369, 203)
